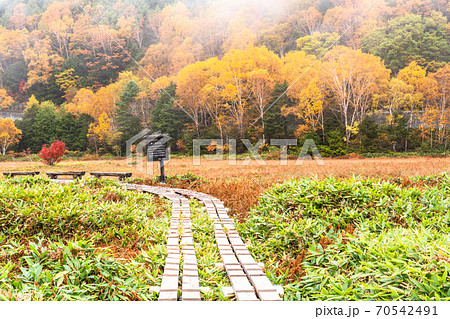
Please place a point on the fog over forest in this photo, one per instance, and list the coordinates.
(354, 76)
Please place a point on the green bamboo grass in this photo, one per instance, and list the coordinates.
(90, 240)
(399, 250)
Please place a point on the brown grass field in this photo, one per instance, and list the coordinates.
(241, 185)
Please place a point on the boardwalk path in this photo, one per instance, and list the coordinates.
(248, 281)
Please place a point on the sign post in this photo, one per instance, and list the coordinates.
(158, 151)
(162, 177)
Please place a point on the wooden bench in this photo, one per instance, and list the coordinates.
(13, 174)
(75, 175)
(121, 176)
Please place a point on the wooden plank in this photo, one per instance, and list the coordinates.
(247, 278)
(190, 282)
(12, 174)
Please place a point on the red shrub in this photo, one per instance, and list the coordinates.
(53, 155)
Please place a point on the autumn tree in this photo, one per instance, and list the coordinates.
(104, 52)
(105, 100)
(209, 33)
(58, 21)
(395, 96)
(9, 134)
(83, 102)
(416, 76)
(40, 58)
(442, 78)
(353, 77)
(66, 79)
(423, 8)
(12, 45)
(190, 82)
(229, 90)
(32, 102)
(100, 132)
(279, 38)
(5, 100)
(53, 154)
(130, 25)
(18, 19)
(239, 36)
(235, 87)
(264, 74)
(306, 22)
(343, 20)
(302, 74)
(176, 49)
(199, 89)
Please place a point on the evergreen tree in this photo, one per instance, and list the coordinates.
(73, 131)
(128, 124)
(26, 126)
(14, 74)
(44, 128)
(399, 134)
(369, 132)
(275, 124)
(48, 91)
(167, 119)
(409, 37)
(39, 126)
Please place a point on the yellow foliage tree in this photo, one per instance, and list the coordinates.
(40, 58)
(424, 88)
(66, 79)
(58, 21)
(104, 101)
(265, 72)
(9, 134)
(174, 26)
(394, 96)
(442, 78)
(32, 101)
(190, 81)
(305, 89)
(83, 102)
(354, 78)
(5, 100)
(239, 36)
(18, 19)
(100, 132)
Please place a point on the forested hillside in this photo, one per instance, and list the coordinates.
(355, 76)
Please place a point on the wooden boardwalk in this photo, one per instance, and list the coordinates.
(248, 281)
